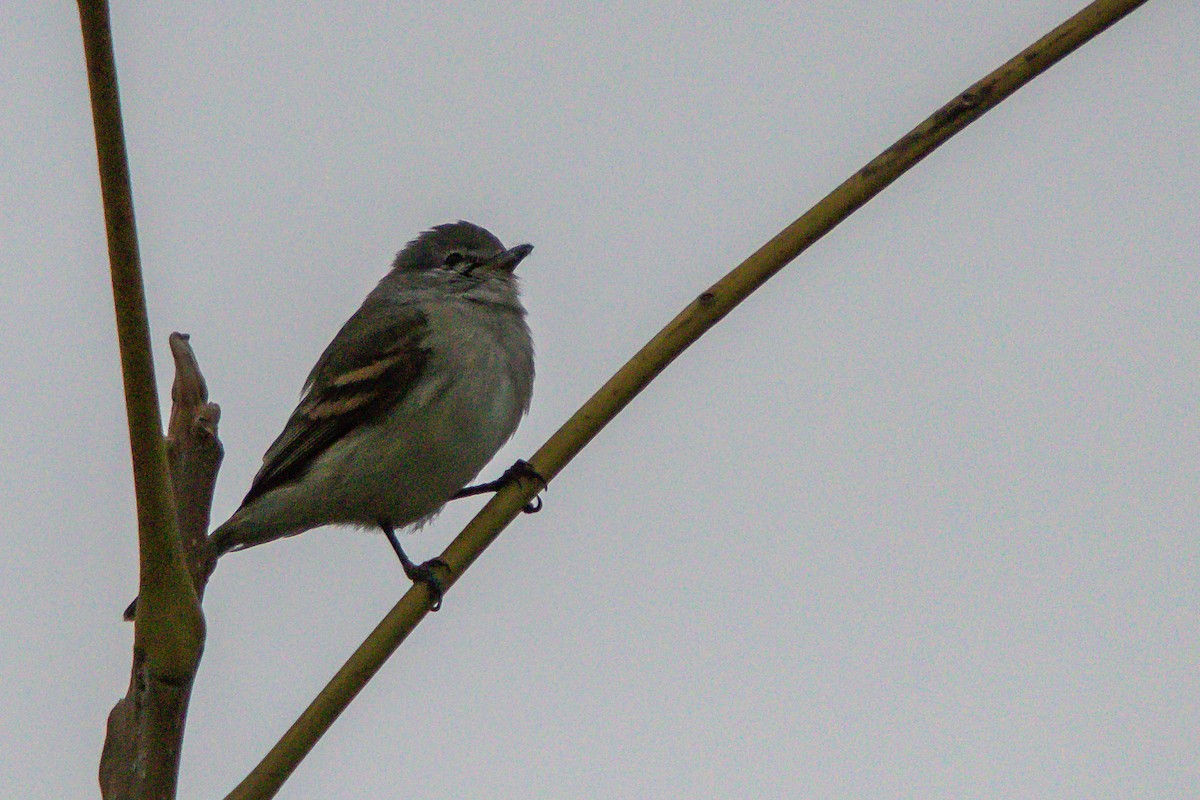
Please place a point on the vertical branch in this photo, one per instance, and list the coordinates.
(141, 753)
(194, 454)
(145, 728)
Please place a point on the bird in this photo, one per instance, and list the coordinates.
(409, 402)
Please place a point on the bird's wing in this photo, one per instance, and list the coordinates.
(365, 371)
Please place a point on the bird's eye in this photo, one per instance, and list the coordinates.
(453, 259)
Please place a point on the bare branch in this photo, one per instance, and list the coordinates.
(700, 315)
(145, 728)
(194, 453)
(141, 753)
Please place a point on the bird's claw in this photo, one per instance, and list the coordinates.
(523, 469)
(427, 573)
(520, 470)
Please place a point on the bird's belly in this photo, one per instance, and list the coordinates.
(405, 468)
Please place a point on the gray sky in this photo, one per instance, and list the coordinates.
(918, 520)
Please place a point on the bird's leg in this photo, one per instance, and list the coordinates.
(516, 472)
(426, 573)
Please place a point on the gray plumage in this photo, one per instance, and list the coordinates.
(410, 400)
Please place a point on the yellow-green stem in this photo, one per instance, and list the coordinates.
(700, 315)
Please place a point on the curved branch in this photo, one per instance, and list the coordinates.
(700, 315)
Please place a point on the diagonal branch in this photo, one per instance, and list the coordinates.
(700, 315)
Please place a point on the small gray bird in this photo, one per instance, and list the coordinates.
(410, 400)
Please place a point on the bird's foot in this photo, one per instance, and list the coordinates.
(430, 573)
(521, 470)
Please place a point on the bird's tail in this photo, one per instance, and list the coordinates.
(216, 549)
(223, 539)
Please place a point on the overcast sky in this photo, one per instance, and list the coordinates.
(919, 520)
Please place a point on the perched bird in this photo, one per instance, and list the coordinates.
(410, 400)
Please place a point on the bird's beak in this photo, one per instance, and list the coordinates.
(508, 260)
